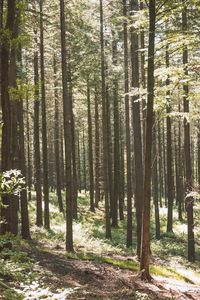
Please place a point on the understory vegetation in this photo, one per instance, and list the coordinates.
(19, 276)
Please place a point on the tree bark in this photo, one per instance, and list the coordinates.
(97, 152)
(188, 168)
(128, 145)
(67, 134)
(57, 137)
(137, 130)
(104, 126)
(169, 158)
(90, 150)
(44, 125)
(145, 243)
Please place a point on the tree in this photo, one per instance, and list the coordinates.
(188, 169)
(104, 126)
(67, 133)
(145, 241)
(44, 125)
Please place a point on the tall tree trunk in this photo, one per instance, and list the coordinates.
(145, 243)
(6, 113)
(90, 150)
(137, 130)
(84, 164)
(67, 133)
(57, 137)
(160, 164)
(37, 160)
(128, 145)
(29, 166)
(44, 125)
(97, 152)
(104, 126)
(155, 181)
(169, 159)
(188, 169)
(116, 194)
(79, 162)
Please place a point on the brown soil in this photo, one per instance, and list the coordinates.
(93, 280)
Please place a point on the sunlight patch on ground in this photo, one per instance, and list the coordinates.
(37, 291)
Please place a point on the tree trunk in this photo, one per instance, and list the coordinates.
(44, 125)
(188, 169)
(137, 130)
(155, 182)
(57, 137)
(6, 113)
(128, 145)
(145, 243)
(67, 134)
(97, 152)
(104, 126)
(90, 150)
(37, 160)
(116, 194)
(169, 159)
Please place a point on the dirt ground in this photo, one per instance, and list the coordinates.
(87, 280)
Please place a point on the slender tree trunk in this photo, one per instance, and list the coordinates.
(128, 145)
(37, 160)
(137, 130)
(56, 138)
(116, 194)
(188, 169)
(75, 180)
(29, 166)
(155, 181)
(44, 125)
(169, 159)
(145, 243)
(90, 150)
(67, 134)
(84, 164)
(160, 165)
(79, 162)
(97, 152)
(104, 126)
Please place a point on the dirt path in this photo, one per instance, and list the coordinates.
(64, 278)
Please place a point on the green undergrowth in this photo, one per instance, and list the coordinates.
(90, 242)
(15, 266)
(131, 264)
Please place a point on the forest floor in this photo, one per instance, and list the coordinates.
(98, 269)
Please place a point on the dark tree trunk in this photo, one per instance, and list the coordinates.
(57, 138)
(188, 169)
(97, 152)
(37, 160)
(160, 164)
(128, 145)
(121, 172)
(116, 194)
(90, 150)
(79, 162)
(44, 125)
(6, 113)
(84, 164)
(104, 126)
(29, 165)
(137, 130)
(67, 133)
(75, 180)
(145, 243)
(169, 159)
(155, 182)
